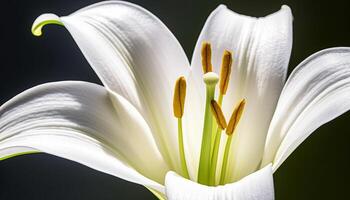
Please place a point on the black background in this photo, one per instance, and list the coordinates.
(318, 169)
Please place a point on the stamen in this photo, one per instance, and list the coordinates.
(218, 114)
(224, 80)
(221, 124)
(225, 71)
(178, 108)
(206, 57)
(179, 97)
(210, 79)
(234, 120)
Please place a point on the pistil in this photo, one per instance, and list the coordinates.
(210, 80)
(231, 127)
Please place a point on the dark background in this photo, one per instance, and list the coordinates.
(318, 169)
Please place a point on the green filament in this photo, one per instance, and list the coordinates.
(214, 157)
(225, 160)
(181, 149)
(215, 144)
(215, 126)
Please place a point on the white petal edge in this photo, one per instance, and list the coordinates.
(261, 49)
(256, 186)
(317, 91)
(135, 55)
(77, 121)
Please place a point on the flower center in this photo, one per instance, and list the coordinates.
(212, 129)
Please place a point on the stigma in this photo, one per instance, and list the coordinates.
(210, 78)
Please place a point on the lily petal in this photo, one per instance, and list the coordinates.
(317, 91)
(256, 186)
(261, 48)
(135, 55)
(77, 121)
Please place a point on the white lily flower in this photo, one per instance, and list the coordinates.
(127, 128)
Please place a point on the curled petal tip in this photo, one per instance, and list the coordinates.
(221, 6)
(286, 7)
(287, 10)
(42, 20)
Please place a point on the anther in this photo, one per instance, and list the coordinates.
(218, 114)
(179, 97)
(235, 117)
(206, 57)
(225, 71)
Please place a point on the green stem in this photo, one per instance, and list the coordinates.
(214, 157)
(181, 149)
(225, 160)
(204, 161)
(159, 195)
